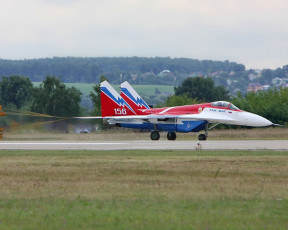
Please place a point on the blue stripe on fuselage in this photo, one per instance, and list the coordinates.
(187, 126)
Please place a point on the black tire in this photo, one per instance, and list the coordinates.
(202, 137)
(171, 136)
(155, 136)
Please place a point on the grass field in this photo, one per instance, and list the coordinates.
(143, 190)
(148, 90)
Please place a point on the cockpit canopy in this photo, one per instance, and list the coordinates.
(224, 104)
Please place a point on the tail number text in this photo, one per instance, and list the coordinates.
(120, 111)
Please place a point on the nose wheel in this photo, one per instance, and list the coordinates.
(202, 137)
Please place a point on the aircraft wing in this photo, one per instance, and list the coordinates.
(155, 118)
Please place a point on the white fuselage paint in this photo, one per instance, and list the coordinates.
(236, 117)
(212, 115)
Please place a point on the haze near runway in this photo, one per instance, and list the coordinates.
(146, 144)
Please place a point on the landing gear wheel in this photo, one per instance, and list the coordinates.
(155, 136)
(171, 136)
(202, 137)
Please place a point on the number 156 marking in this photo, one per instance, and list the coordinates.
(120, 111)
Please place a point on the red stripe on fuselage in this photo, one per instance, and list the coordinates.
(184, 109)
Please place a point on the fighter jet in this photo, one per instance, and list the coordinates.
(130, 111)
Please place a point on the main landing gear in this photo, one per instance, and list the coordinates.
(171, 136)
(155, 136)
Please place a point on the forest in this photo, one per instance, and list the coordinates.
(142, 71)
(137, 70)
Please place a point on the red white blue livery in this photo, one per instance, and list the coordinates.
(131, 111)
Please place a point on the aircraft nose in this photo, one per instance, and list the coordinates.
(255, 120)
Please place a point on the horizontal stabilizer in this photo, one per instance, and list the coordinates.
(87, 117)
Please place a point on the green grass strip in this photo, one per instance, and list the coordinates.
(144, 153)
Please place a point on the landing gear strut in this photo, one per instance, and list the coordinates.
(171, 136)
(155, 136)
(203, 137)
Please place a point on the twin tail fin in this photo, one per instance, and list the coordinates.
(128, 103)
(112, 104)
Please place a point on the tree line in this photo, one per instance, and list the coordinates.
(140, 71)
(137, 70)
(52, 97)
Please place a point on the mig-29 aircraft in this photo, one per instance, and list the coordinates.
(130, 111)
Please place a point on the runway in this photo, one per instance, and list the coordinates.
(146, 144)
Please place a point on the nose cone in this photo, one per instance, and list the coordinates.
(251, 119)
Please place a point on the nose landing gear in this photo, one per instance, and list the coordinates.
(203, 137)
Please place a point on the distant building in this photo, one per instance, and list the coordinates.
(164, 72)
(254, 87)
(276, 80)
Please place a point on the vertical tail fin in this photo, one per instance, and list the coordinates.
(132, 97)
(112, 104)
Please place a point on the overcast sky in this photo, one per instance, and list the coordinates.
(251, 32)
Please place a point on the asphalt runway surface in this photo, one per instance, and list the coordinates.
(146, 144)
